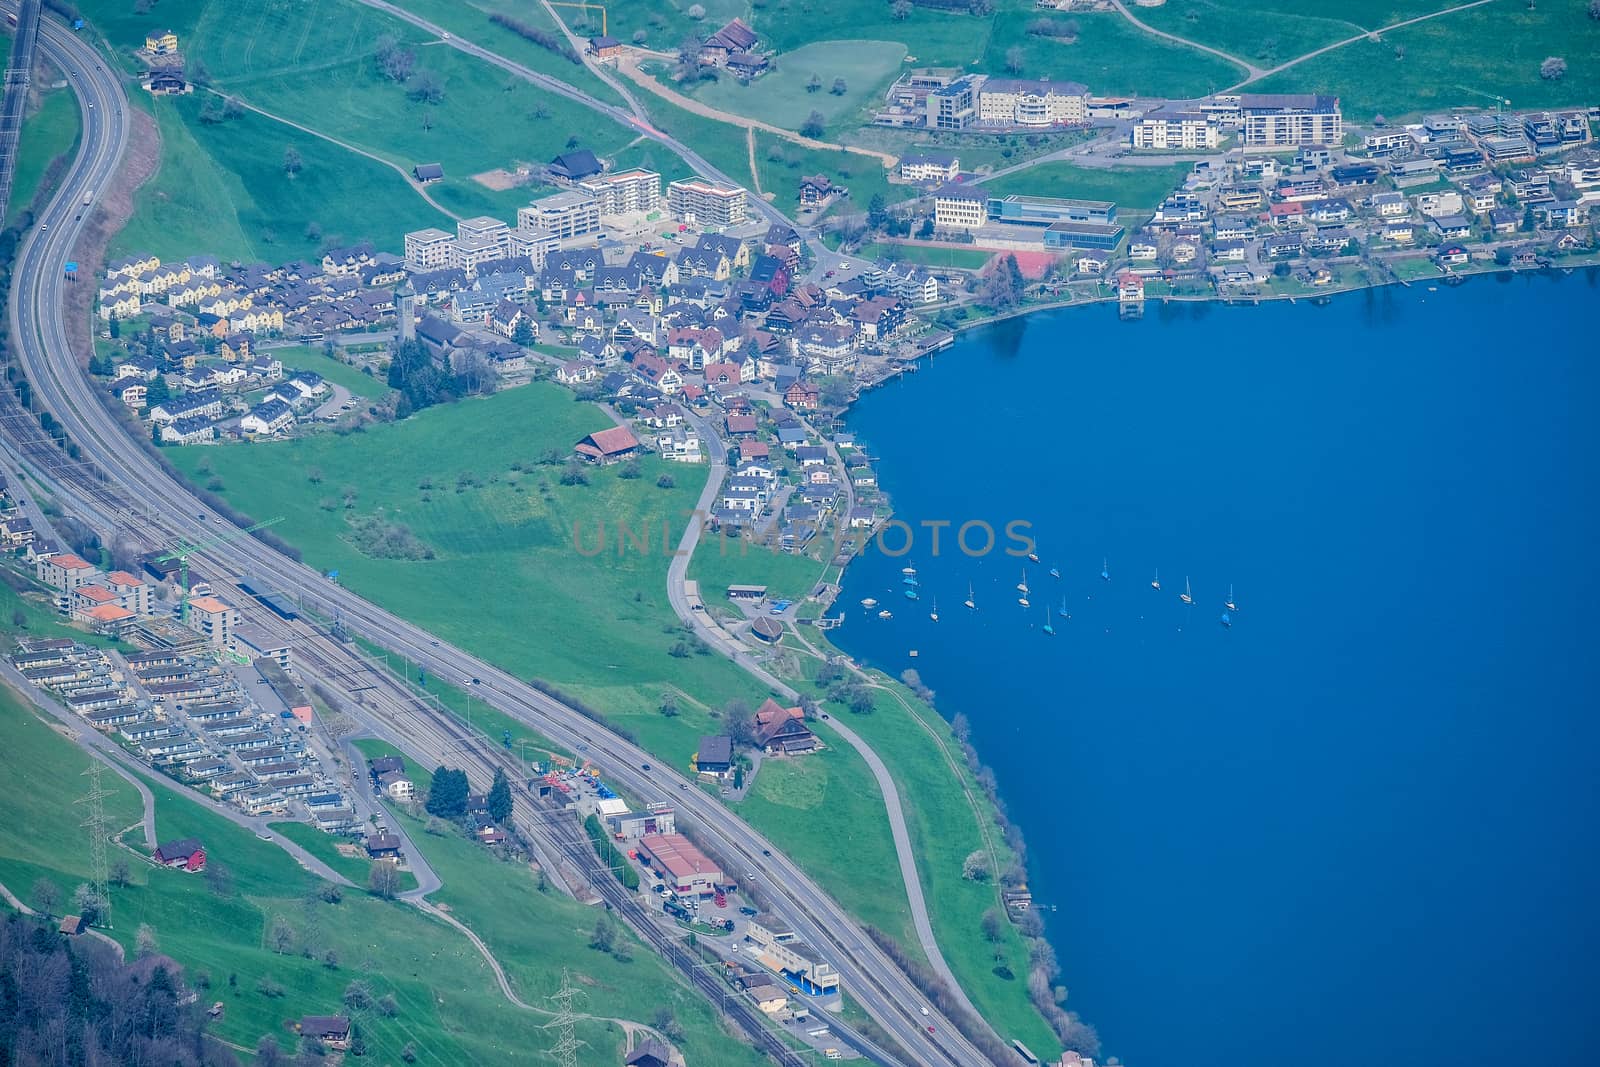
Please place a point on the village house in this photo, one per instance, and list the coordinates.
(783, 731)
(186, 854)
(608, 446)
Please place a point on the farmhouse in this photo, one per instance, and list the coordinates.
(781, 730)
(608, 446)
(186, 853)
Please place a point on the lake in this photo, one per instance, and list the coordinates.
(1361, 821)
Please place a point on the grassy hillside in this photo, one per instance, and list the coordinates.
(781, 99)
(48, 134)
(448, 1006)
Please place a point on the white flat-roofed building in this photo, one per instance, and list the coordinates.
(468, 253)
(625, 192)
(1273, 120)
(703, 202)
(428, 249)
(484, 228)
(536, 244)
(1187, 130)
(960, 207)
(1019, 102)
(565, 215)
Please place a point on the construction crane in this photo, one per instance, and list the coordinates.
(183, 552)
(1500, 102)
(585, 8)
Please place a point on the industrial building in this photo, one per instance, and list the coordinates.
(684, 868)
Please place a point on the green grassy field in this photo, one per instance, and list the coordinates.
(222, 190)
(782, 164)
(324, 847)
(932, 38)
(1495, 49)
(1132, 188)
(954, 256)
(1110, 55)
(723, 561)
(306, 357)
(780, 98)
(721, 144)
(1268, 32)
(509, 579)
(47, 135)
(447, 1001)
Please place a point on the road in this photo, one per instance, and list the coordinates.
(140, 498)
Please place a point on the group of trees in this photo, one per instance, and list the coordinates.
(1060, 29)
(447, 796)
(543, 38)
(77, 1003)
(398, 64)
(1003, 287)
(423, 382)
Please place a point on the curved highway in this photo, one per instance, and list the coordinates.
(168, 511)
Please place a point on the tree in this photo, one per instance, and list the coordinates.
(900, 10)
(838, 87)
(394, 63)
(499, 799)
(813, 126)
(991, 925)
(280, 935)
(447, 796)
(877, 211)
(408, 1053)
(1399, 51)
(604, 938)
(1016, 59)
(292, 163)
(425, 87)
(981, 8)
(383, 881)
(1594, 10)
(1003, 286)
(665, 1021)
(388, 1007)
(211, 111)
(267, 1052)
(358, 997)
(1553, 69)
(696, 12)
(523, 333)
(89, 904)
(145, 941)
(814, 83)
(834, 390)
(46, 897)
(669, 706)
(157, 390)
(975, 868)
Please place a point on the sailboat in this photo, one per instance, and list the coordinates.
(1022, 586)
(934, 614)
(911, 594)
(1155, 583)
(1064, 613)
(1055, 572)
(885, 614)
(1226, 621)
(909, 570)
(868, 602)
(1186, 596)
(1105, 570)
(1033, 557)
(1048, 629)
(1023, 600)
(971, 603)
(910, 575)
(1229, 604)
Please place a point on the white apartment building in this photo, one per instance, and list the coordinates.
(625, 191)
(568, 214)
(428, 249)
(1276, 120)
(704, 202)
(1187, 130)
(1017, 102)
(484, 228)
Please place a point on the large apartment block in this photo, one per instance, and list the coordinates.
(1188, 130)
(625, 191)
(1276, 120)
(954, 106)
(703, 202)
(428, 249)
(1016, 102)
(569, 214)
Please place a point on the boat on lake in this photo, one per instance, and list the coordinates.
(1055, 572)
(1033, 557)
(934, 614)
(869, 602)
(1105, 570)
(911, 594)
(1023, 601)
(1048, 628)
(1186, 596)
(1229, 604)
(909, 570)
(1022, 586)
(1226, 621)
(885, 614)
(1155, 583)
(971, 603)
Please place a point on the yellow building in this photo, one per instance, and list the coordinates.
(161, 44)
(123, 306)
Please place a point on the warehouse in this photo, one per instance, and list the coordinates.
(685, 869)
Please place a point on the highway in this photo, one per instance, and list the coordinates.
(139, 498)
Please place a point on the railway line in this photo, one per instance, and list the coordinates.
(119, 488)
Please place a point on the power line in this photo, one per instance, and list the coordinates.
(99, 875)
(565, 1022)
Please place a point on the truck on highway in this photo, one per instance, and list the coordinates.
(88, 198)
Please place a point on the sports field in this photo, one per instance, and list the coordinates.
(1131, 187)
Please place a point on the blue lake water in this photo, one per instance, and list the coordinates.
(1361, 822)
